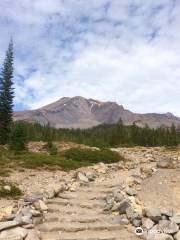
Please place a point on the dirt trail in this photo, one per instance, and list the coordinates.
(162, 189)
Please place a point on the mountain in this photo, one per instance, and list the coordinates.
(79, 112)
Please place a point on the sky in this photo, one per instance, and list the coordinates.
(126, 51)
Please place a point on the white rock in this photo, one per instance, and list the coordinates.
(82, 177)
(42, 206)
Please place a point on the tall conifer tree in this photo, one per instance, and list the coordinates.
(6, 95)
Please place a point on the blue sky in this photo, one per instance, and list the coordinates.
(126, 51)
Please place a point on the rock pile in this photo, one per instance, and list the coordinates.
(154, 224)
(18, 222)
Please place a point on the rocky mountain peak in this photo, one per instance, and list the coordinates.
(79, 112)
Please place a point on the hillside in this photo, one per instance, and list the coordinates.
(79, 112)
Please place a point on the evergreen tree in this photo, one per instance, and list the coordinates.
(18, 137)
(6, 95)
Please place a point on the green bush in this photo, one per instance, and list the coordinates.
(14, 191)
(92, 156)
(51, 148)
(18, 137)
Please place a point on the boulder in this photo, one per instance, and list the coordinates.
(153, 213)
(8, 224)
(32, 235)
(17, 232)
(166, 162)
(176, 219)
(167, 212)
(5, 213)
(161, 236)
(177, 236)
(168, 226)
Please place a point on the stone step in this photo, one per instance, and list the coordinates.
(90, 218)
(96, 189)
(83, 209)
(76, 227)
(77, 202)
(90, 235)
(85, 195)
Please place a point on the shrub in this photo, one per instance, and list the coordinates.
(14, 191)
(51, 148)
(93, 156)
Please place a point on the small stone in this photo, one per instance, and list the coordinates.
(115, 207)
(147, 223)
(137, 222)
(131, 191)
(131, 214)
(123, 206)
(81, 177)
(43, 206)
(49, 194)
(118, 197)
(7, 188)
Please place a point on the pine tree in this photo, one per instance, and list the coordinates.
(18, 137)
(6, 95)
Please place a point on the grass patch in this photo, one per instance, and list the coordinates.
(13, 192)
(69, 160)
(93, 156)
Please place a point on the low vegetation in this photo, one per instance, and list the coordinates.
(8, 190)
(67, 160)
(95, 156)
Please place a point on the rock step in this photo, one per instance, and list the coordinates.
(89, 204)
(76, 227)
(90, 235)
(50, 217)
(96, 189)
(106, 185)
(83, 209)
(85, 195)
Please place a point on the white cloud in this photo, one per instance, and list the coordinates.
(122, 50)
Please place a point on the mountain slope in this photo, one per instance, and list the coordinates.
(79, 112)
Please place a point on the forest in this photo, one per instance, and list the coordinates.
(105, 135)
